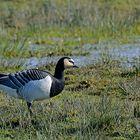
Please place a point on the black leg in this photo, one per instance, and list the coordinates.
(29, 107)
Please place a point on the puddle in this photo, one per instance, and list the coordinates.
(35, 47)
(128, 54)
(128, 51)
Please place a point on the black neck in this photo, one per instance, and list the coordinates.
(59, 72)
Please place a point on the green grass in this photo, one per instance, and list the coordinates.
(67, 25)
(58, 41)
(98, 105)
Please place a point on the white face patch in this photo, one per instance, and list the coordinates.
(71, 60)
(68, 63)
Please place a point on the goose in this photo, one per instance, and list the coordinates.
(35, 84)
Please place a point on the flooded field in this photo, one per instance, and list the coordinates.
(127, 54)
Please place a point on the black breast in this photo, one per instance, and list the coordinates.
(57, 87)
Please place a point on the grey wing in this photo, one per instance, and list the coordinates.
(19, 79)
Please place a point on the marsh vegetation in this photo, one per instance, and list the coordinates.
(101, 98)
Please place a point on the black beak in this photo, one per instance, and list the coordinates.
(74, 66)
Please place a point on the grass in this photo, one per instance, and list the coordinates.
(99, 101)
(99, 105)
(67, 25)
(57, 41)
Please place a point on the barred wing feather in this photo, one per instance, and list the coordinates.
(19, 79)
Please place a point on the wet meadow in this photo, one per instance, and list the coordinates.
(101, 99)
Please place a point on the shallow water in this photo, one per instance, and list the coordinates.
(128, 54)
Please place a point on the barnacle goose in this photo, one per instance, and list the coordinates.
(35, 84)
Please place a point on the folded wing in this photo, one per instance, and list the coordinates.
(19, 79)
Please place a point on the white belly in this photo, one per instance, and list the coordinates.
(37, 89)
